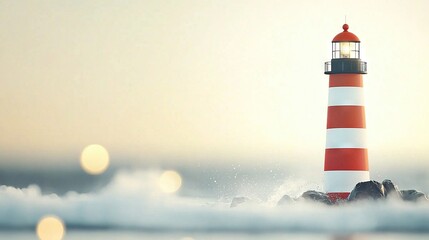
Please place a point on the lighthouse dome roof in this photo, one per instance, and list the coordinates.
(346, 36)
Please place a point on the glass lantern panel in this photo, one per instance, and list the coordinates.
(345, 50)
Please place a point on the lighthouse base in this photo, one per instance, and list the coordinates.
(340, 196)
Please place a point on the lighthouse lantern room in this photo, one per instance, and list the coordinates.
(345, 54)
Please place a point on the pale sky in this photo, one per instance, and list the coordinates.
(202, 80)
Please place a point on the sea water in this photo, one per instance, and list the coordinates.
(129, 235)
(131, 206)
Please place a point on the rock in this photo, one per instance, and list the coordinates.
(367, 190)
(285, 200)
(239, 200)
(413, 195)
(391, 190)
(316, 196)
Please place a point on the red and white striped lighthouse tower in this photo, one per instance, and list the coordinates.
(346, 156)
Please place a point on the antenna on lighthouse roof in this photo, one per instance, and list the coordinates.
(345, 19)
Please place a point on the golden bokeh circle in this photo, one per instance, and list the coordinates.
(170, 181)
(50, 228)
(186, 238)
(94, 159)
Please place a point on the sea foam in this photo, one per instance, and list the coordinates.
(133, 200)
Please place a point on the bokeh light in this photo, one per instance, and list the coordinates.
(186, 238)
(170, 181)
(94, 159)
(50, 228)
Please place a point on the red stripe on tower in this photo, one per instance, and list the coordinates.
(346, 80)
(346, 117)
(346, 159)
(346, 154)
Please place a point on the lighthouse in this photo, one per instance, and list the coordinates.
(346, 154)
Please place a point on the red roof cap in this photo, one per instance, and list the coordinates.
(346, 36)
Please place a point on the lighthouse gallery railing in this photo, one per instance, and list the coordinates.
(345, 66)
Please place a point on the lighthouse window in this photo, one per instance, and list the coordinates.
(345, 50)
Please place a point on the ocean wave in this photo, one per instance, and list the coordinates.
(133, 200)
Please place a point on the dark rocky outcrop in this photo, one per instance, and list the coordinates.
(285, 200)
(370, 190)
(375, 190)
(413, 195)
(367, 190)
(239, 200)
(316, 196)
(391, 190)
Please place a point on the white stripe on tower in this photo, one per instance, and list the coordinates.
(346, 138)
(340, 96)
(344, 181)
